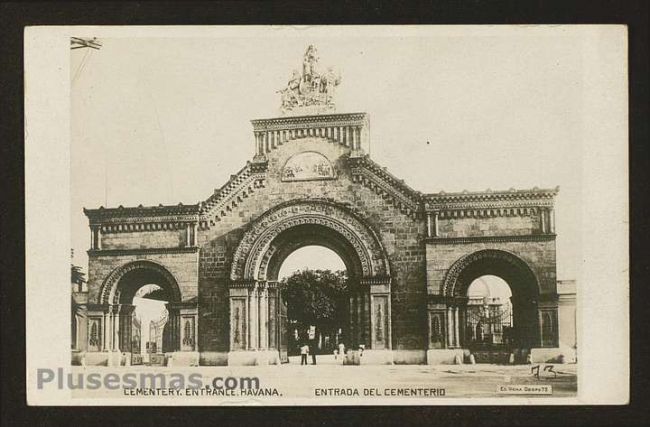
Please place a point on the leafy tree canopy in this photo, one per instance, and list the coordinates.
(77, 275)
(315, 296)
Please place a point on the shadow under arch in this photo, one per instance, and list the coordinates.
(123, 282)
(257, 312)
(519, 276)
(117, 296)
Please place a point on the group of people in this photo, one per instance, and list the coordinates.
(310, 348)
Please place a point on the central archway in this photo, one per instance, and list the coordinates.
(258, 314)
(313, 283)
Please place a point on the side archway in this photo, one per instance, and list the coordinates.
(122, 283)
(114, 315)
(529, 329)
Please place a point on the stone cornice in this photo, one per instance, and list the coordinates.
(240, 185)
(141, 251)
(140, 214)
(490, 239)
(378, 179)
(375, 281)
(490, 199)
(300, 122)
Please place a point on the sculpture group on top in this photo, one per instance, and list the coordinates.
(311, 91)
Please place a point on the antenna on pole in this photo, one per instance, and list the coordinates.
(80, 43)
(89, 44)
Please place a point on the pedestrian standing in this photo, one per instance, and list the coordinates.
(303, 354)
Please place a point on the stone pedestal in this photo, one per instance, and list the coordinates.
(553, 355)
(253, 358)
(183, 358)
(213, 358)
(444, 356)
(377, 357)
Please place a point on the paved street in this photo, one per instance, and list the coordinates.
(330, 380)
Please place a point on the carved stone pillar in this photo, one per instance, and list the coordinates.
(450, 328)
(456, 328)
(380, 314)
(172, 330)
(239, 323)
(264, 316)
(125, 327)
(253, 318)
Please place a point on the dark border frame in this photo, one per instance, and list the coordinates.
(15, 16)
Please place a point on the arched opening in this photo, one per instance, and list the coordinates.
(339, 317)
(150, 316)
(314, 287)
(258, 311)
(497, 297)
(142, 297)
(488, 315)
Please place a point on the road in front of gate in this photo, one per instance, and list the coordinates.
(330, 382)
(480, 380)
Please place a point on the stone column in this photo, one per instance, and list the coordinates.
(253, 317)
(450, 326)
(264, 317)
(125, 326)
(436, 231)
(379, 314)
(352, 325)
(429, 225)
(106, 331)
(551, 217)
(116, 328)
(456, 328)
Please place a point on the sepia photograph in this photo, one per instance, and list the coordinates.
(285, 215)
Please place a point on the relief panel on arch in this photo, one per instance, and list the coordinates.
(306, 166)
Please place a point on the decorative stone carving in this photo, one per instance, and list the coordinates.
(311, 92)
(109, 292)
(376, 178)
(451, 278)
(248, 261)
(308, 165)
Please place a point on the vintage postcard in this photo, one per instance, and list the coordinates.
(326, 215)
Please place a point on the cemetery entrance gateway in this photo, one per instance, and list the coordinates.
(311, 181)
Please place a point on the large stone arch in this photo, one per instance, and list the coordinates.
(534, 324)
(490, 261)
(256, 306)
(112, 290)
(114, 311)
(256, 246)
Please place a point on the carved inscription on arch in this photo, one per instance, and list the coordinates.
(251, 257)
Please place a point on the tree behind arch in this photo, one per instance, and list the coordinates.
(314, 297)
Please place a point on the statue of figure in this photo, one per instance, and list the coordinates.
(328, 82)
(290, 94)
(309, 63)
(311, 88)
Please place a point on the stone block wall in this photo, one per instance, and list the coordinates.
(183, 266)
(401, 235)
(539, 255)
(144, 239)
(507, 225)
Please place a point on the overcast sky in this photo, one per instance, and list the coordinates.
(168, 120)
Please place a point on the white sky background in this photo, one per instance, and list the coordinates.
(168, 120)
